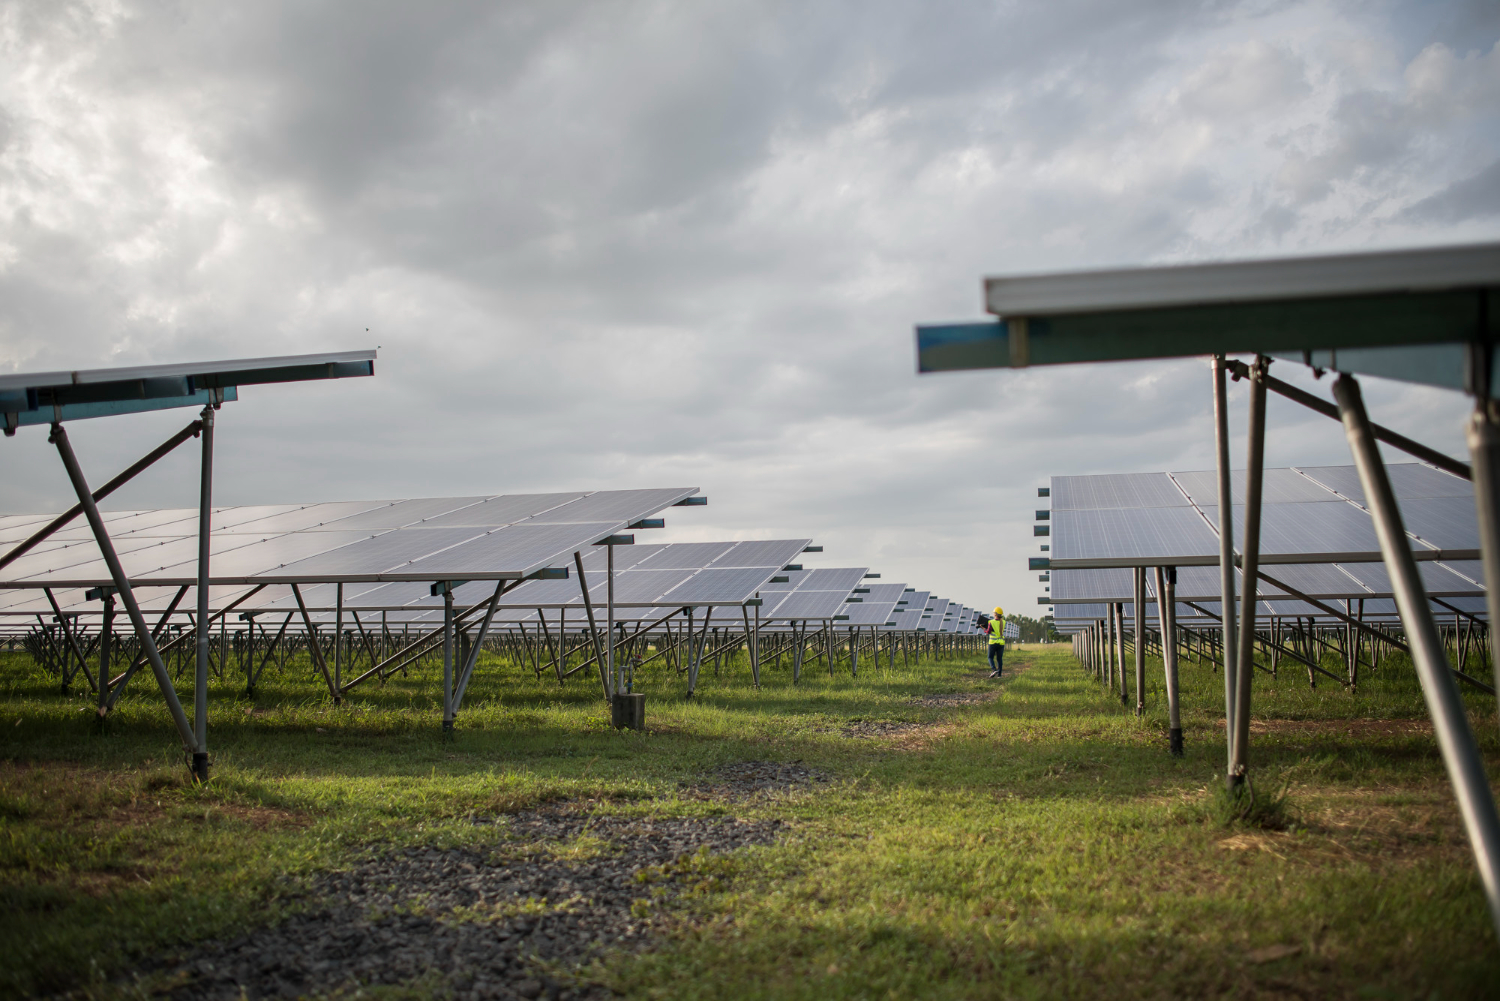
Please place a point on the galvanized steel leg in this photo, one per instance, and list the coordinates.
(609, 595)
(692, 661)
(106, 630)
(755, 646)
(1476, 801)
(448, 661)
(588, 608)
(1484, 452)
(338, 638)
(205, 527)
(1250, 557)
(1226, 557)
(799, 639)
(473, 659)
(1166, 609)
(828, 644)
(1140, 641)
(1119, 611)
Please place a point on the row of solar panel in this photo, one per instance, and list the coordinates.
(1317, 538)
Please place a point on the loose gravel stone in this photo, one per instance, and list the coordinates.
(949, 700)
(475, 924)
(744, 779)
(865, 729)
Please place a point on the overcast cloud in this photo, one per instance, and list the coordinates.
(634, 244)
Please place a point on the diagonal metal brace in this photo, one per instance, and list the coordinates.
(1381, 433)
(144, 463)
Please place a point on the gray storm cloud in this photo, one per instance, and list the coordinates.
(622, 244)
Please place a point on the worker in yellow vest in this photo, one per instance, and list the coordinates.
(997, 642)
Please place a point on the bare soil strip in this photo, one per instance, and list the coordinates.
(475, 925)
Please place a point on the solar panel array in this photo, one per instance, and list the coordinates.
(474, 538)
(1317, 538)
(381, 557)
(811, 594)
(876, 605)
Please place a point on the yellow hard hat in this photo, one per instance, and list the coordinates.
(999, 610)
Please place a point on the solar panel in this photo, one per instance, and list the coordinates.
(1409, 480)
(299, 520)
(519, 549)
(639, 585)
(369, 556)
(869, 614)
(774, 553)
(614, 505)
(910, 616)
(1305, 529)
(506, 509)
(314, 543)
(715, 584)
(834, 579)
(42, 397)
(1165, 533)
(1301, 518)
(1428, 268)
(687, 555)
(878, 605)
(1119, 490)
(398, 514)
(816, 594)
(1312, 539)
(1444, 522)
(885, 592)
(1278, 486)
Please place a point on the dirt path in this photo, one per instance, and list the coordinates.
(910, 735)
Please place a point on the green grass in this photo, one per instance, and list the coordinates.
(1041, 845)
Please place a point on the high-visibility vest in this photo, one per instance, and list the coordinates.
(997, 632)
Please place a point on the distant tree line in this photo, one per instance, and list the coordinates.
(1034, 630)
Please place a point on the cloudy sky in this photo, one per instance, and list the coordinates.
(635, 244)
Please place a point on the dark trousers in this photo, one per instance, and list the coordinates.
(997, 656)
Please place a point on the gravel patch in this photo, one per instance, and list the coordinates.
(865, 729)
(950, 700)
(517, 921)
(745, 779)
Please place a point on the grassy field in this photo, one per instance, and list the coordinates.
(1038, 844)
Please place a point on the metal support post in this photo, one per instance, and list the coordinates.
(799, 640)
(338, 638)
(447, 660)
(106, 634)
(1140, 640)
(828, 644)
(1166, 613)
(1476, 801)
(59, 437)
(1120, 655)
(484, 629)
(1250, 557)
(609, 597)
(205, 526)
(1484, 452)
(1226, 555)
(750, 648)
(755, 645)
(1108, 649)
(692, 659)
(588, 608)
